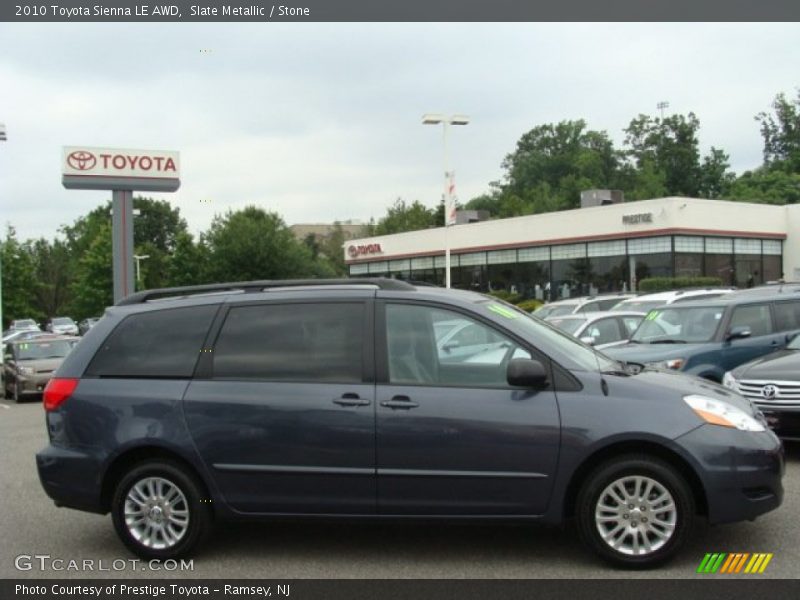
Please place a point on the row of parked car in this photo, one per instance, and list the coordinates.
(31, 356)
(745, 339)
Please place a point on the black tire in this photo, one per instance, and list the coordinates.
(623, 469)
(195, 501)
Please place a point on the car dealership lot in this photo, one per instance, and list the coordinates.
(31, 525)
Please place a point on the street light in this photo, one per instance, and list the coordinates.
(449, 207)
(2, 350)
(137, 258)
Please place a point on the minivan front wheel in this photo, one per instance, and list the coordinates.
(635, 511)
(159, 511)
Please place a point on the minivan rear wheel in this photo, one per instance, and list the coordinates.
(635, 511)
(159, 510)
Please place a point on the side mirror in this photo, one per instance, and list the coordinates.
(526, 372)
(739, 332)
(588, 339)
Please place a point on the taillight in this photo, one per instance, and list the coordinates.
(57, 391)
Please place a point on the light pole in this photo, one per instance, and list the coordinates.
(449, 207)
(2, 349)
(661, 106)
(137, 258)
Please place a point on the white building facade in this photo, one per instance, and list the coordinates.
(595, 250)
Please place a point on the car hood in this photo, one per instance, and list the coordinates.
(783, 365)
(645, 353)
(683, 385)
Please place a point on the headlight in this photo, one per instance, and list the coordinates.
(721, 413)
(729, 381)
(25, 370)
(673, 363)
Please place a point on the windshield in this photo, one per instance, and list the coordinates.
(584, 357)
(41, 350)
(25, 323)
(794, 344)
(568, 325)
(639, 305)
(62, 321)
(679, 325)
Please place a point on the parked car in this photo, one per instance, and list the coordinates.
(62, 326)
(709, 337)
(647, 302)
(600, 329)
(29, 364)
(329, 398)
(772, 383)
(585, 304)
(24, 325)
(21, 335)
(87, 324)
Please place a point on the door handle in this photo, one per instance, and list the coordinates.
(401, 402)
(350, 400)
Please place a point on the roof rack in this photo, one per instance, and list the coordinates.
(259, 286)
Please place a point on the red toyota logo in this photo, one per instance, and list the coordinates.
(352, 251)
(82, 160)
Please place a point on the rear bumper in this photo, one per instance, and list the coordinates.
(71, 478)
(741, 471)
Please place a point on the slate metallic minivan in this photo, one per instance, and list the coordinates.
(188, 406)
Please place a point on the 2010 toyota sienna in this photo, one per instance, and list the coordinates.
(187, 406)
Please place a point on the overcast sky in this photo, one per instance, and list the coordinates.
(321, 122)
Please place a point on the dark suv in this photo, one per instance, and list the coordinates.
(339, 399)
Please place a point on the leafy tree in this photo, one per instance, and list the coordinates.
(255, 244)
(188, 261)
(402, 216)
(781, 133)
(19, 281)
(566, 158)
(715, 178)
(93, 284)
(51, 263)
(332, 249)
(764, 185)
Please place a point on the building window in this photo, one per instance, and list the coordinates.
(474, 258)
(720, 265)
(568, 251)
(615, 248)
(772, 268)
(381, 268)
(745, 246)
(438, 261)
(653, 245)
(424, 262)
(693, 244)
(542, 253)
(719, 245)
(772, 247)
(607, 274)
(399, 265)
(361, 269)
(501, 257)
(653, 265)
(688, 265)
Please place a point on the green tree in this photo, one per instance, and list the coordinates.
(332, 250)
(51, 263)
(767, 186)
(19, 280)
(553, 163)
(402, 216)
(93, 285)
(781, 133)
(254, 244)
(188, 261)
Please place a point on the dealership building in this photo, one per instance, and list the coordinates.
(605, 246)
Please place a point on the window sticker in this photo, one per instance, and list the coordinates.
(651, 316)
(502, 311)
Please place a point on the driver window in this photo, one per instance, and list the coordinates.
(431, 346)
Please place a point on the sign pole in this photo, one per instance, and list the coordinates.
(122, 242)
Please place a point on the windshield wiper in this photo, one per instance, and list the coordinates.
(668, 342)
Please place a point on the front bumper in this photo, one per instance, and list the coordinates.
(30, 385)
(783, 420)
(71, 477)
(741, 472)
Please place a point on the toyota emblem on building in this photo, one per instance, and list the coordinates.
(352, 251)
(82, 160)
(769, 392)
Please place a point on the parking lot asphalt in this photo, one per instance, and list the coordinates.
(30, 525)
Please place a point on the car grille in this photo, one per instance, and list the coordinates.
(771, 393)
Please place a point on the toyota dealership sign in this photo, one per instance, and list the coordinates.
(85, 167)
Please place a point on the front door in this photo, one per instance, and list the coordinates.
(452, 436)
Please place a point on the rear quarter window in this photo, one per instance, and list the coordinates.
(159, 344)
(787, 315)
